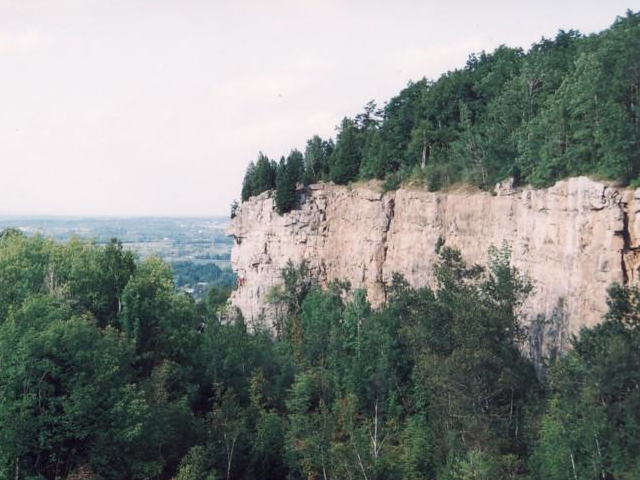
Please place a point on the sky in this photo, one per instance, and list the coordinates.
(156, 107)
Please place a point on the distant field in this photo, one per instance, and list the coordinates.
(191, 243)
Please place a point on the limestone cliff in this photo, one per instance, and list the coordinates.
(573, 239)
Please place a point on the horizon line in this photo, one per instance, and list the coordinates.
(108, 216)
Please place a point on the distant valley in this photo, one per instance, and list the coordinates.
(196, 247)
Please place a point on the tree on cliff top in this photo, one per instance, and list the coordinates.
(316, 159)
(568, 106)
(345, 161)
(247, 183)
(289, 173)
(260, 177)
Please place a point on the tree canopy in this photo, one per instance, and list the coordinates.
(568, 106)
(106, 371)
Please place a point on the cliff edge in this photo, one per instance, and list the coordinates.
(573, 239)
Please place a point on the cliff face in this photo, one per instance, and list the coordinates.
(573, 239)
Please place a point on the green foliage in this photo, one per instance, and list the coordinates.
(260, 177)
(566, 107)
(346, 158)
(196, 466)
(290, 172)
(435, 378)
(316, 159)
(107, 372)
(248, 183)
(392, 182)
(65, 389)
(591, 426)
(146, 303)
(190, 273)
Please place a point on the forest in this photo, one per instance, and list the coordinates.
(568, 106)
(108, 372)
(187, 272)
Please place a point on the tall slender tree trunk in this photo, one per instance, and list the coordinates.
(425, 154)
(573, 466)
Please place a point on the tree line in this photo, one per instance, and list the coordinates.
(187, 272)
(568, 106)
(107, 372)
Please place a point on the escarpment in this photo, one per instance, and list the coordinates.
(573, 240)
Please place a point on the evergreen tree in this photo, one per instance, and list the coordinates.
(295, 161)
(264, 175)
(260, 177)
(248, 183)
(289, 173)
(568, 106)
(345, 161)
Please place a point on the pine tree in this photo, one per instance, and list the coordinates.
(248, 182)
(345, 161)
(295, 160)
(287, 177)
(265, 175)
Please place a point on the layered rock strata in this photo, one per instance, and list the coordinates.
(573, 240)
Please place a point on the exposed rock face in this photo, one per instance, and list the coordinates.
(573, 240)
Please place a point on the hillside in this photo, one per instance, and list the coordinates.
(566, 107)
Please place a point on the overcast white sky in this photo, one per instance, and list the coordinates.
(156, 107)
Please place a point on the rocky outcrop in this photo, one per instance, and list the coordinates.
(573, 239)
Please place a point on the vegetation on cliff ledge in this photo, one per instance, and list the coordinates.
(569, 106)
